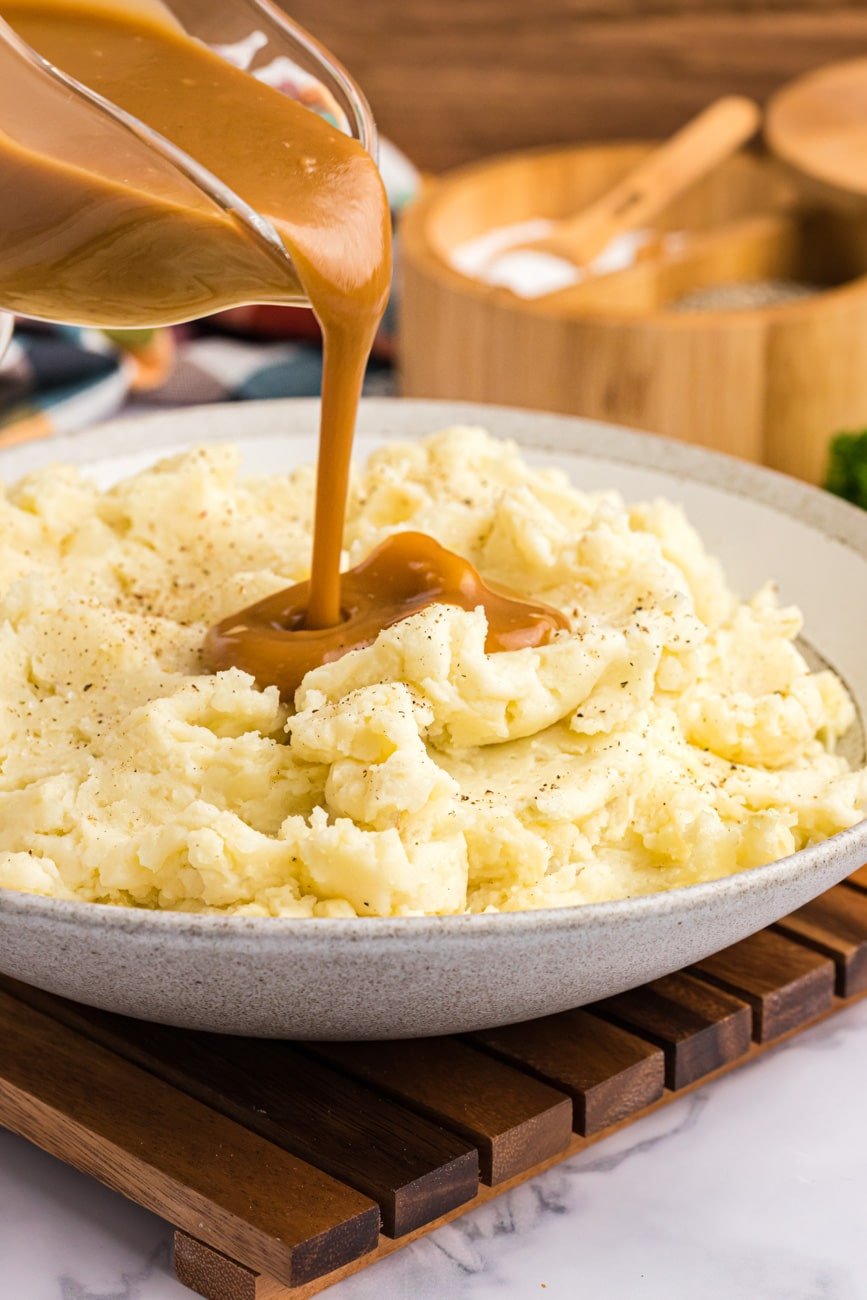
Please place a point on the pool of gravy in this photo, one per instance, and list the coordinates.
(81, 241)
(404, 574)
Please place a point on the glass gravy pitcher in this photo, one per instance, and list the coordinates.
(116, 226)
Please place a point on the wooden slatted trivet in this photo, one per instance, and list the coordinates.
(288, 1166)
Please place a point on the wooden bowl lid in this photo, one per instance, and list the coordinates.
(818, 126)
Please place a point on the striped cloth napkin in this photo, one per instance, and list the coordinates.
(56, 379)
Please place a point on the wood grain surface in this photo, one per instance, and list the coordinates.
(769, 384)
(785, 983)
(211, 1273)
(836, 924)
(577, 1146)
(818, 126)
(699, 1028)
(608, 1072)
(514, 1121)
(183, 1161)
(858, 879)
(414, 1169)
(451, 82)
(255, 1222)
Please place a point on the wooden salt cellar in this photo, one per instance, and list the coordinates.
(771, 384)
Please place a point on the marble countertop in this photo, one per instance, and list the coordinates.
(750, 1189)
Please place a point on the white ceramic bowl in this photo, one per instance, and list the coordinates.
(377, 978)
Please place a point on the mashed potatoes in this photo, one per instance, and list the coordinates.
(675, 735)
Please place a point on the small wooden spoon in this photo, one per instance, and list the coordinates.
(696, 149)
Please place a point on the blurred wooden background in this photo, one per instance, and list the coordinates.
(453, 80)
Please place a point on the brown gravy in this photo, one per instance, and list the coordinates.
(82, 242)
(406, 573)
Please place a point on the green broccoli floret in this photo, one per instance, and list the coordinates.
(847, 467)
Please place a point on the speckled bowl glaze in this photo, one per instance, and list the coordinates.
(377, 978)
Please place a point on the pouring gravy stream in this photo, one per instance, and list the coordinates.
(109, 253)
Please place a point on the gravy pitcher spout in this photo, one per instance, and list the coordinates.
(113, 222)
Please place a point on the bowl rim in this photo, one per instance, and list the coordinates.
(594, 439)
(494, 925)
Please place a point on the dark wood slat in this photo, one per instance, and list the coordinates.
(223, 1272)
(224, 1281)
(413, 1168)
(858, 879)
(699, 1028)
(836, 925)
(515, 1121)
(176, 1157)
(785, 983)
(608, 1072)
